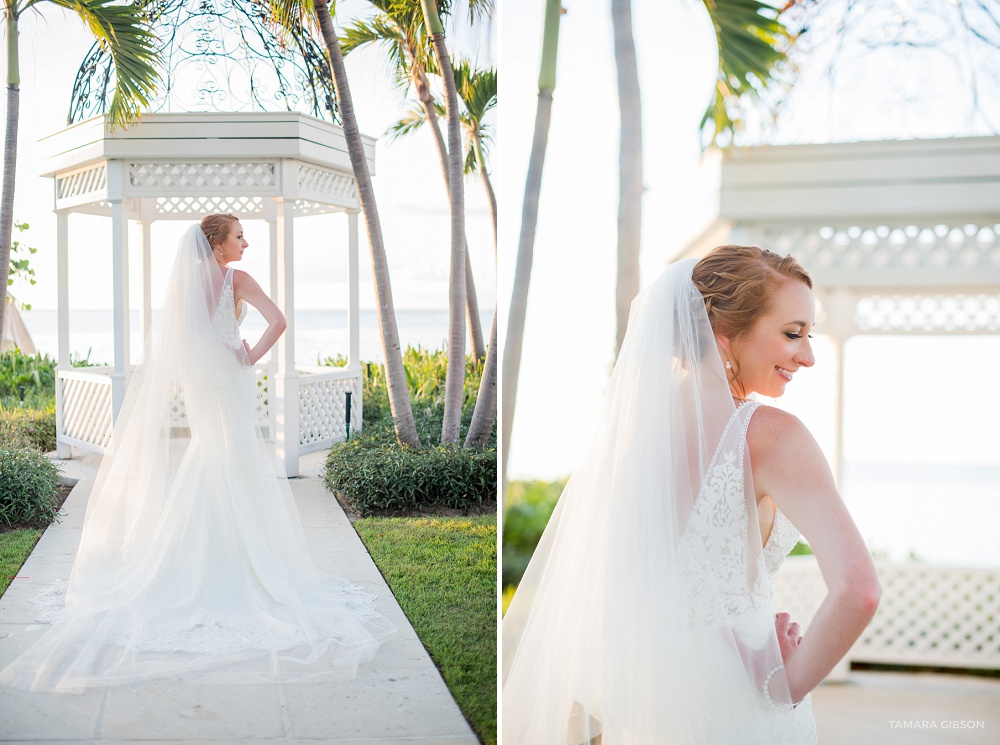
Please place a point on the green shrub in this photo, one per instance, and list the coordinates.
(28, 482)
(33, 425)
(36, 373)
(378, 478)
(530, 505)
(377, 475)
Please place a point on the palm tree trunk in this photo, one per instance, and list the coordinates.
(454, 386)
(485, 412)
(629, 167)
(399, 398)
(9, 157)
(529, 219)
(472, 311)
(471, 300)
(477, 143)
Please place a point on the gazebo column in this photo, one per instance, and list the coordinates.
(353, 295)
(119, 271)
(146, 312)
(63, 450)
(286, 379)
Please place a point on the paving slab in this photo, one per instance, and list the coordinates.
(889, 708)
(399, 698)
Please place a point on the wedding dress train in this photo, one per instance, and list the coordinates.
(193, 559)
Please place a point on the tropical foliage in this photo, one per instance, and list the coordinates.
(375, 475)
(120, 28)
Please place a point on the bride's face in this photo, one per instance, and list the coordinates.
(232, 248)
(777, 345)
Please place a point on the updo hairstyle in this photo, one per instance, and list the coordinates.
(216, 227)
(737, 283)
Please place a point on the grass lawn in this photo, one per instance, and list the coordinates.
(442, 571)
(15, 545)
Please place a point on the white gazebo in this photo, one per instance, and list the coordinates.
(900, 237)
(257, 165)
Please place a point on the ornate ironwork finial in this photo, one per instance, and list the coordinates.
(219, 55)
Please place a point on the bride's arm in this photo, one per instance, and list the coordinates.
(789, 466)
(246, 288)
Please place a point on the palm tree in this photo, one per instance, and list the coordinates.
(291, 12)
(529, 219)
(629, 167)
(454, 386)
(399, 29)
(478, 91)
(131, 46)
(752, 44)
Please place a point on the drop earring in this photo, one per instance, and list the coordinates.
(729, 365)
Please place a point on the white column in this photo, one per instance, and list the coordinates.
(353, 295)
(286, 379)
(119, 241)
(146, 313)
(63, 450)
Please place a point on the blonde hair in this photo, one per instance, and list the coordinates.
(737, 283)
(216, 227)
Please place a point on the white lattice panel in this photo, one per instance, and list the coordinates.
(928, 615)
(928, 313)
(87, 409)
(885, 248)
(178, 414)
(199, 206)
(238, 176)
(330, 183)
(322, 410)
(82, 183)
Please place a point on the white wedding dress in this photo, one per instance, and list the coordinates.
(192, 559)
(645, 614)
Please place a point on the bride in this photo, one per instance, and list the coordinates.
(192, 559)
(645, 615)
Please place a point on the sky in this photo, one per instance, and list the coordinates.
(894, 386)
(408, 186)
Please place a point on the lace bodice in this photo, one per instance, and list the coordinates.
(225, 324)
(714, 547)
(784, 536)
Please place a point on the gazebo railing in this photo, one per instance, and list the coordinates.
(323, 405)
(86, 406)
(928, 615)
(85, 419)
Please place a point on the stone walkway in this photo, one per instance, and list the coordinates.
(884, 708)
(398, 698)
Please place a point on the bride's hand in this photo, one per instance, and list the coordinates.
(788, 635)
(244, 354)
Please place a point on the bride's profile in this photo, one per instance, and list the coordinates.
(645, 614)
(192, 559)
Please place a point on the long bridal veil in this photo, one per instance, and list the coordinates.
(192, 558)
(635, 620)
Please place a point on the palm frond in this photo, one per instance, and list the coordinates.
(414, 118)
(753, 44)
(290, 12)
(132, 48)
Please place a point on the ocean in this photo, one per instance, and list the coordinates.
(318, 333)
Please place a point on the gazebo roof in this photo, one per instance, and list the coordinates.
(917, 214)
(173, 166)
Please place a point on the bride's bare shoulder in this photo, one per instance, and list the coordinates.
(773, 429)
(243, 280)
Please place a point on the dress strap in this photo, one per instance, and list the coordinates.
(745, 411)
